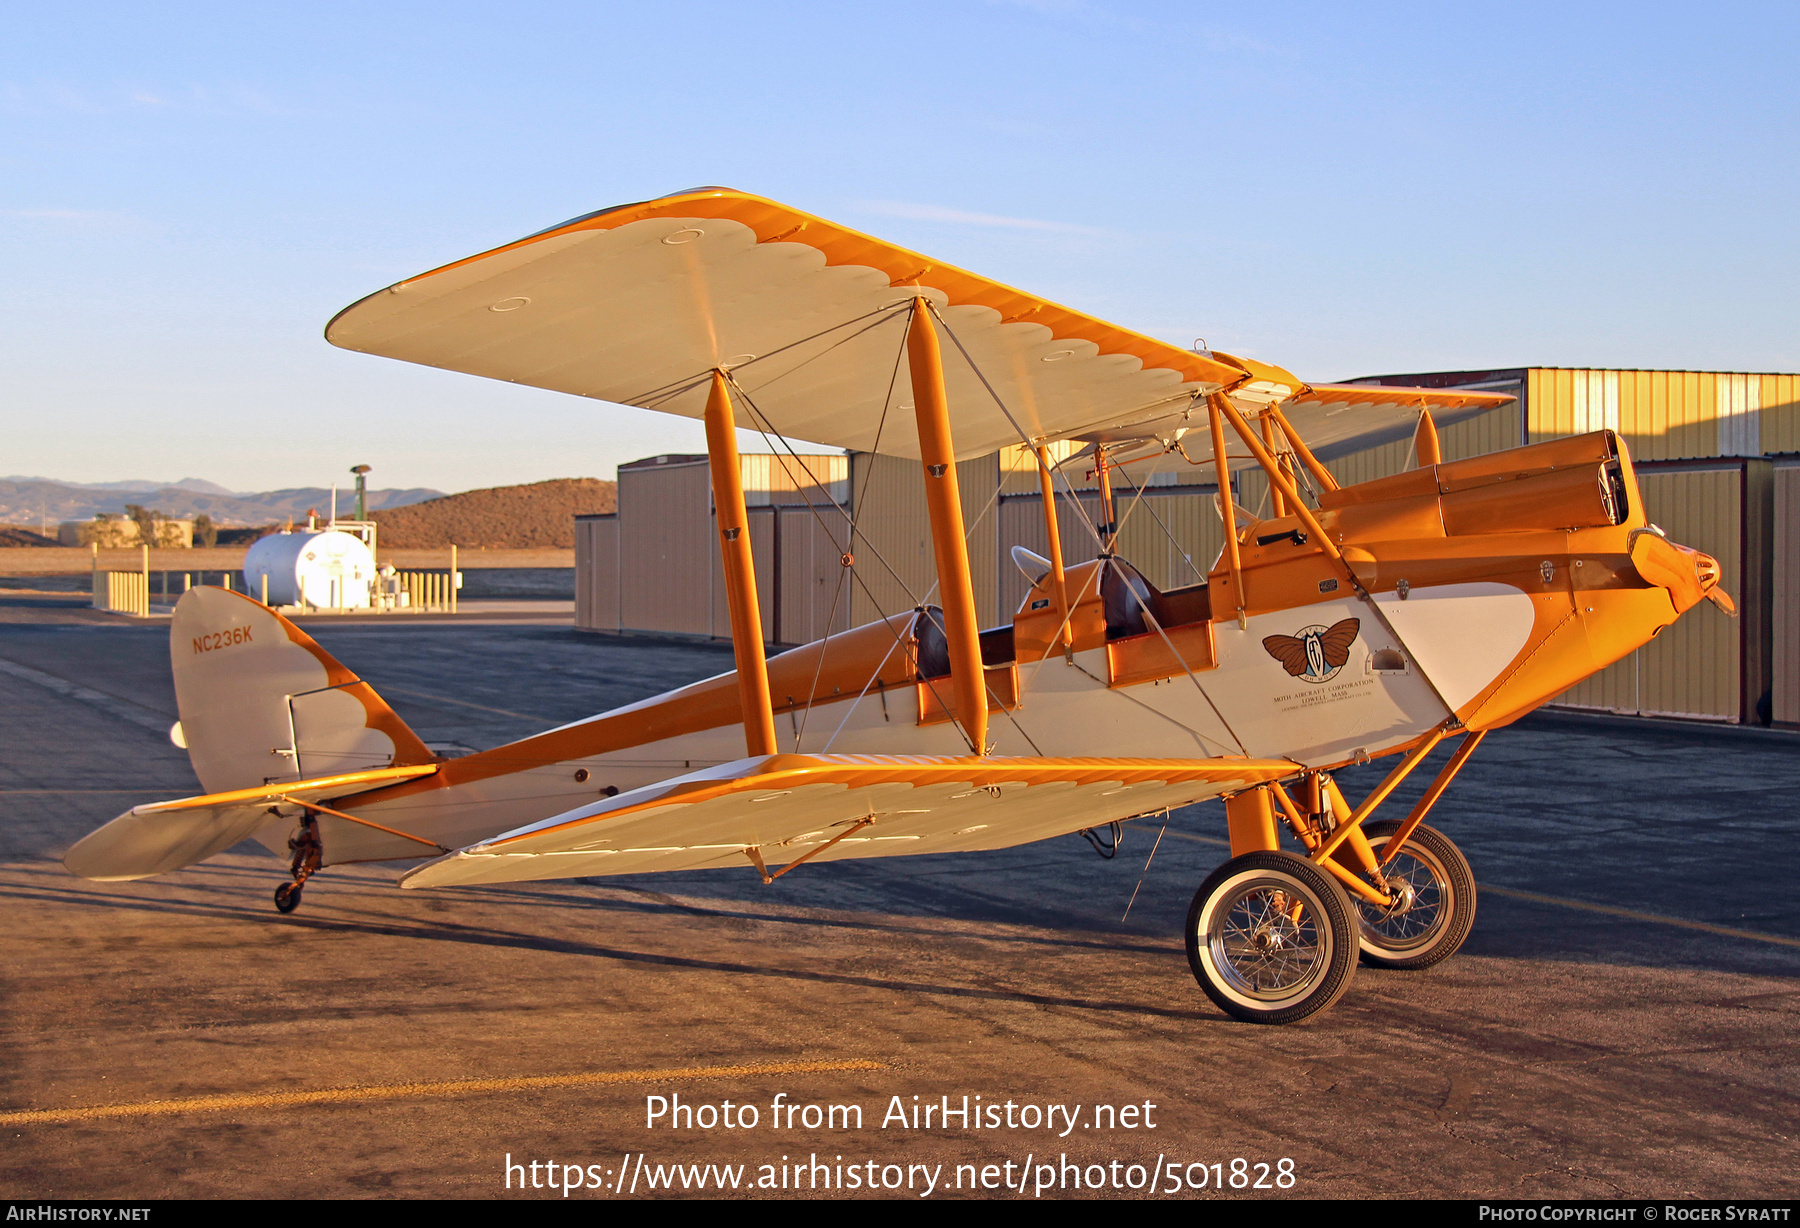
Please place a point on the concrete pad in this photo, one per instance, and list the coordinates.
(1566, 1052)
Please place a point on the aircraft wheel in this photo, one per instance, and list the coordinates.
(287, 897)
(1270, 938)
(1437, 904)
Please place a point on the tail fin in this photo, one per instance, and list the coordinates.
(262, 703)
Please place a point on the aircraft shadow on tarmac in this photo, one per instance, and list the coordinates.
(932, 899)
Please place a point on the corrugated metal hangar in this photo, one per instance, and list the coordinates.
(841, 540)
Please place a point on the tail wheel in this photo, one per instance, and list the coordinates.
(1436, 905)
(1270, 938)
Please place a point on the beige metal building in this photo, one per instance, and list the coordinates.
(1784, 616)
(1709, 448)
(653, 566)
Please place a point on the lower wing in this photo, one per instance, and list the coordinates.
(784, 808)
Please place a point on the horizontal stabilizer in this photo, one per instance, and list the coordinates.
(785, 807)
(163, 836)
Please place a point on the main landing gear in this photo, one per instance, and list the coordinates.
(1274, 936)
(1434, 900)
(308, 853)
(1269, 938)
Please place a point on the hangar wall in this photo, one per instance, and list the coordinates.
(1784, 582)
(653, 567)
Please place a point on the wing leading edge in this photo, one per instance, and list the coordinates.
(637, 305)
(789, 806)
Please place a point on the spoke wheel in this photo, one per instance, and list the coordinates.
(1437, 901)
(1270, 938)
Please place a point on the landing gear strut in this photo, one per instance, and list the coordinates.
(308, 853)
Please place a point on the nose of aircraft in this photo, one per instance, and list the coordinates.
(1688, 574)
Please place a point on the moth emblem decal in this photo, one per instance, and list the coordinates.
(1316, 654)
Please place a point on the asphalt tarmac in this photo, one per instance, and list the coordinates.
(1622, 1023)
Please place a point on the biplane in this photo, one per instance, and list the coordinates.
(1339, 624)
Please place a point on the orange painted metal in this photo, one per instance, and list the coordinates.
(1038, 633)
(1278, 479)
(1380, 794)
(1234, 565)
(867, 659)
(1426, 448)
(740, 571)
(1299, 826)
(1058, 580)
(340, 785)
(1277, 500)
(956, 591)
(1688, 574)
(1564, 499)
(1423, 806)
(1163, 653)
(350, 818)
(1320, 474)
(1107, 513)
(1362, 853)
(1356, 886)
(1250, 819)
(1000, 685)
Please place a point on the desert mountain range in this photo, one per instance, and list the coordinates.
(29, 501)
(534, 516)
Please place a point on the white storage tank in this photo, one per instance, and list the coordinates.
(325, 569)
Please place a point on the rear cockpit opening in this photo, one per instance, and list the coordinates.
(1132, 603)
(931, 645)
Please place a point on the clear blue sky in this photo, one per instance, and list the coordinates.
(188, 192)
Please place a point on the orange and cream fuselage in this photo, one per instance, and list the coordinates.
(1469, 606)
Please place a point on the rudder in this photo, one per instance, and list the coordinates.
(261, 702)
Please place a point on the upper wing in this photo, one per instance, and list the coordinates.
(1333, 419)
(164, 836)
(786, 806)
(1336, 419)
(640, 303)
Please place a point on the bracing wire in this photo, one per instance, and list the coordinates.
(772, 436)
(1150, 506)
(767, 430)
(1146, 870)
(675, 388)
(992, 392)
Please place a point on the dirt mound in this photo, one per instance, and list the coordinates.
(13, 535)
(502, 518)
